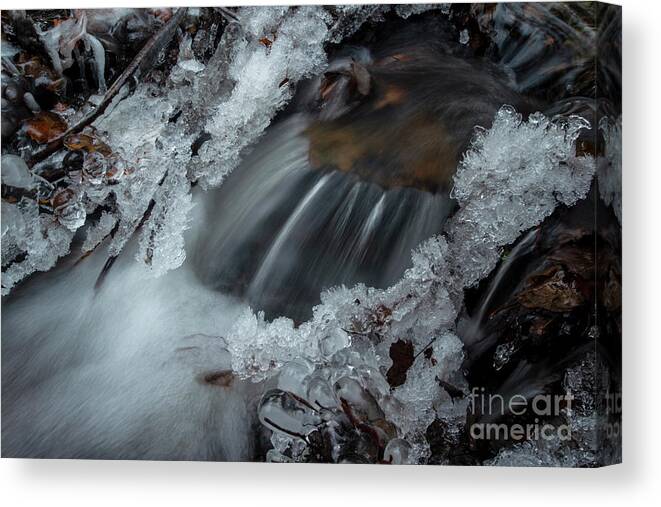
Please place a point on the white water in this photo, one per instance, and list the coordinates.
(114, 373)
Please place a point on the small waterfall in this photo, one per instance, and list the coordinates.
(280, 231)
(472, 329)
(267, 269)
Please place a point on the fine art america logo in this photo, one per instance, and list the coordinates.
(491, 408)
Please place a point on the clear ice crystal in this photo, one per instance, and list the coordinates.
(407, 10)
(42, 239)
(15, 172)
(279, 48)
(161, 245)
(464, 37)
(97, 232)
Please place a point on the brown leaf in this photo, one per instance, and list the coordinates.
(86, 142)
(551, 290)
(45, 126)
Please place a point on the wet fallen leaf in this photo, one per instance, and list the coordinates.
(45, 126)
(552, 290)
(86, 142)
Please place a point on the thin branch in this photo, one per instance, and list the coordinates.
(111, 260)
(228, 14)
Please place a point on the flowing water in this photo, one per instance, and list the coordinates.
(348, 185)
(339, 191)
(281, 231)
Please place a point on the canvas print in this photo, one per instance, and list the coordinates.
(374, 234)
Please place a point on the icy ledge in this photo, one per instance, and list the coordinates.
(512, 177)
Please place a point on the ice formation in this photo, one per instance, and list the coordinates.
(15, 172)
(539, 171)
(464, 37)
(583, 382)
(39, 236)
(609, 172)
(61, 40)
(97, 232)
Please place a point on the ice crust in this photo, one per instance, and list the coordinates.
(42, 239)
(609, 173)
(512, 177)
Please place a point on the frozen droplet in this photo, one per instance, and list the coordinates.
(286, 413)
(72, 215)
(362, 403)
(116, 170)
(97, 193)
(63, 196)
(94, 168)
(73, 165)
(336, 340)
(320, 393)
(293, 376)
(15, 172)
(503, 354)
